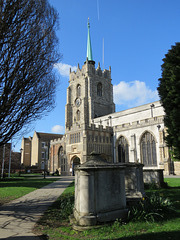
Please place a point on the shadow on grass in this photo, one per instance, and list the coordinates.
(40, 182)
(42, 237)
(174, 235)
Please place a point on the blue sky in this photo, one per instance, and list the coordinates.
(136, 34)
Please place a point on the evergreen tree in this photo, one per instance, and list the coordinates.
(169, 92)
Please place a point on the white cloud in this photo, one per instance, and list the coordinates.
(57, 129)
(133, 94)
(63, 68)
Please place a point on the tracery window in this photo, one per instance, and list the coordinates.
(99, 89)
(62, 160)
(75, 138)
(148, 150)
(123, 150)
(78, 90)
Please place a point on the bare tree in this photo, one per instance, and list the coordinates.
(28, 51)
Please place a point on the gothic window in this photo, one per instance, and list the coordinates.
(144, 156)
(148, 150)
(99, 89)
(78, 90)
(123, 150)
(78, 115)
(62, 160)
(154, 153)
(75, 138)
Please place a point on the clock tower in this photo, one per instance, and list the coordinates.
(90, 92)
(89, 95)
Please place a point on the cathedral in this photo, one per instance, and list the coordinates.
(134, 135)
(92, 125)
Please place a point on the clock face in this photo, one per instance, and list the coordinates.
(78, 102)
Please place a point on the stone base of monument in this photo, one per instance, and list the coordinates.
(134, 184)
(100, 218)
(77, 227)
(99, 192)
(133, 198)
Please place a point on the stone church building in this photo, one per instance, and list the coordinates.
(92, 125)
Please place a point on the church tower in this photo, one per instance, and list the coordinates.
(89, 95)
(90, 92)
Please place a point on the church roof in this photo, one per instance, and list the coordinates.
(48, 136)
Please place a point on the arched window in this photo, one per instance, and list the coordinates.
(148, 150)
(123, 150)
(62, 160)
(78, 115)
(99, 89)
(78, 90)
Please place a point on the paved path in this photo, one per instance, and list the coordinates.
(18, 217)
(171, 176)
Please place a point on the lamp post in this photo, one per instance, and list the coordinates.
(21, 150)
(2, 173)
(9, 173)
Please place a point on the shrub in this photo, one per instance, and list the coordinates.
(152, 208)
(62, 208)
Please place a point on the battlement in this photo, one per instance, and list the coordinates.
(101, 128)
(57, 141)
(89, 69)
(92, 127)
(140, 123)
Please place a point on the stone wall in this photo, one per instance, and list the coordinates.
(153, 176)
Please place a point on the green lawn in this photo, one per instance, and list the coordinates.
(172, 182)
(56, 225)
(11, 189)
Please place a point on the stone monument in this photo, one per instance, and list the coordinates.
(99, 192)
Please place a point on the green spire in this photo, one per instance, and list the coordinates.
(89, 48)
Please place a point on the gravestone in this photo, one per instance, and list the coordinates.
(99, 192)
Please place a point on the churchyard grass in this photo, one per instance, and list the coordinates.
(14, 188)
(55, 222)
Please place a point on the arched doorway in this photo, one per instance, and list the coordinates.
(123, 150)
(75, 161)
(148, 150)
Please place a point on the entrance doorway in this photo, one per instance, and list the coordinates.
(75, 161)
